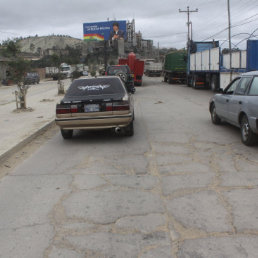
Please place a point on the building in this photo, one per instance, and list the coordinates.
(136, 43)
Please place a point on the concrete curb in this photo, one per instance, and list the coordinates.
(25, 141)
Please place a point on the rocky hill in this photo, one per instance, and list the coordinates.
(37, 44)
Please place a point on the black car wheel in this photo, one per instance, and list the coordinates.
(129, 130)
(67, 134)
(248, 137)
(214, 117)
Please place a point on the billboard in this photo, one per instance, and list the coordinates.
(109, 30)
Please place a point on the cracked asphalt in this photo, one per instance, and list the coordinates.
(181, 188)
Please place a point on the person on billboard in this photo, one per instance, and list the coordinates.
(116, 33)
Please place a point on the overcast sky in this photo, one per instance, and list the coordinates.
(156, 19)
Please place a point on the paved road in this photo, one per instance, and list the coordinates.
(181, 187)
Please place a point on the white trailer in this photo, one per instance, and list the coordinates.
(205, 68)
(238, 67)
(209, 68)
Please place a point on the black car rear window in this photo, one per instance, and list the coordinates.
(95, 86)
(113, 70)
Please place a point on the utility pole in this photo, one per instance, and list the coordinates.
(158, 51)
(105, 55)
(188, 11)
(191, 37)
(229, 41)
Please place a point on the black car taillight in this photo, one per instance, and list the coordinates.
(74, 109)
(120, 106)
(117, 106)
(109, 107)
(66, 109)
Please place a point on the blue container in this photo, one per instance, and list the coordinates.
(252, 55)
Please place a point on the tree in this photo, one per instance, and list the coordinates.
(11, 48)
(56, 61)
(18, 69)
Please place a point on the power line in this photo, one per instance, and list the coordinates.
(248, 18)
(251, 36)
(232, 26)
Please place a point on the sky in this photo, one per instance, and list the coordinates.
(157, 20)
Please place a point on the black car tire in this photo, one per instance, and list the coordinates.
(129, 130)
(248, 137)
(214, 117)
(67, 134)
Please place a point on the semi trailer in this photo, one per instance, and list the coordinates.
(210, 68)
(175, 67)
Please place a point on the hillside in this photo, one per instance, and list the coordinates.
(33, 44)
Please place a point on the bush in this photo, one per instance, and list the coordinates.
(76, 74)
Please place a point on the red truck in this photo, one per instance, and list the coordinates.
(136, 66)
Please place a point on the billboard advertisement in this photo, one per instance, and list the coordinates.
(109, 30)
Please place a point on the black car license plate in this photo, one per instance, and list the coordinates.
(91, 108)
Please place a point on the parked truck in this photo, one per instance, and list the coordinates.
(65, 71)
(152, 68)
(175, 67)
(136, 67)
(209, 68)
